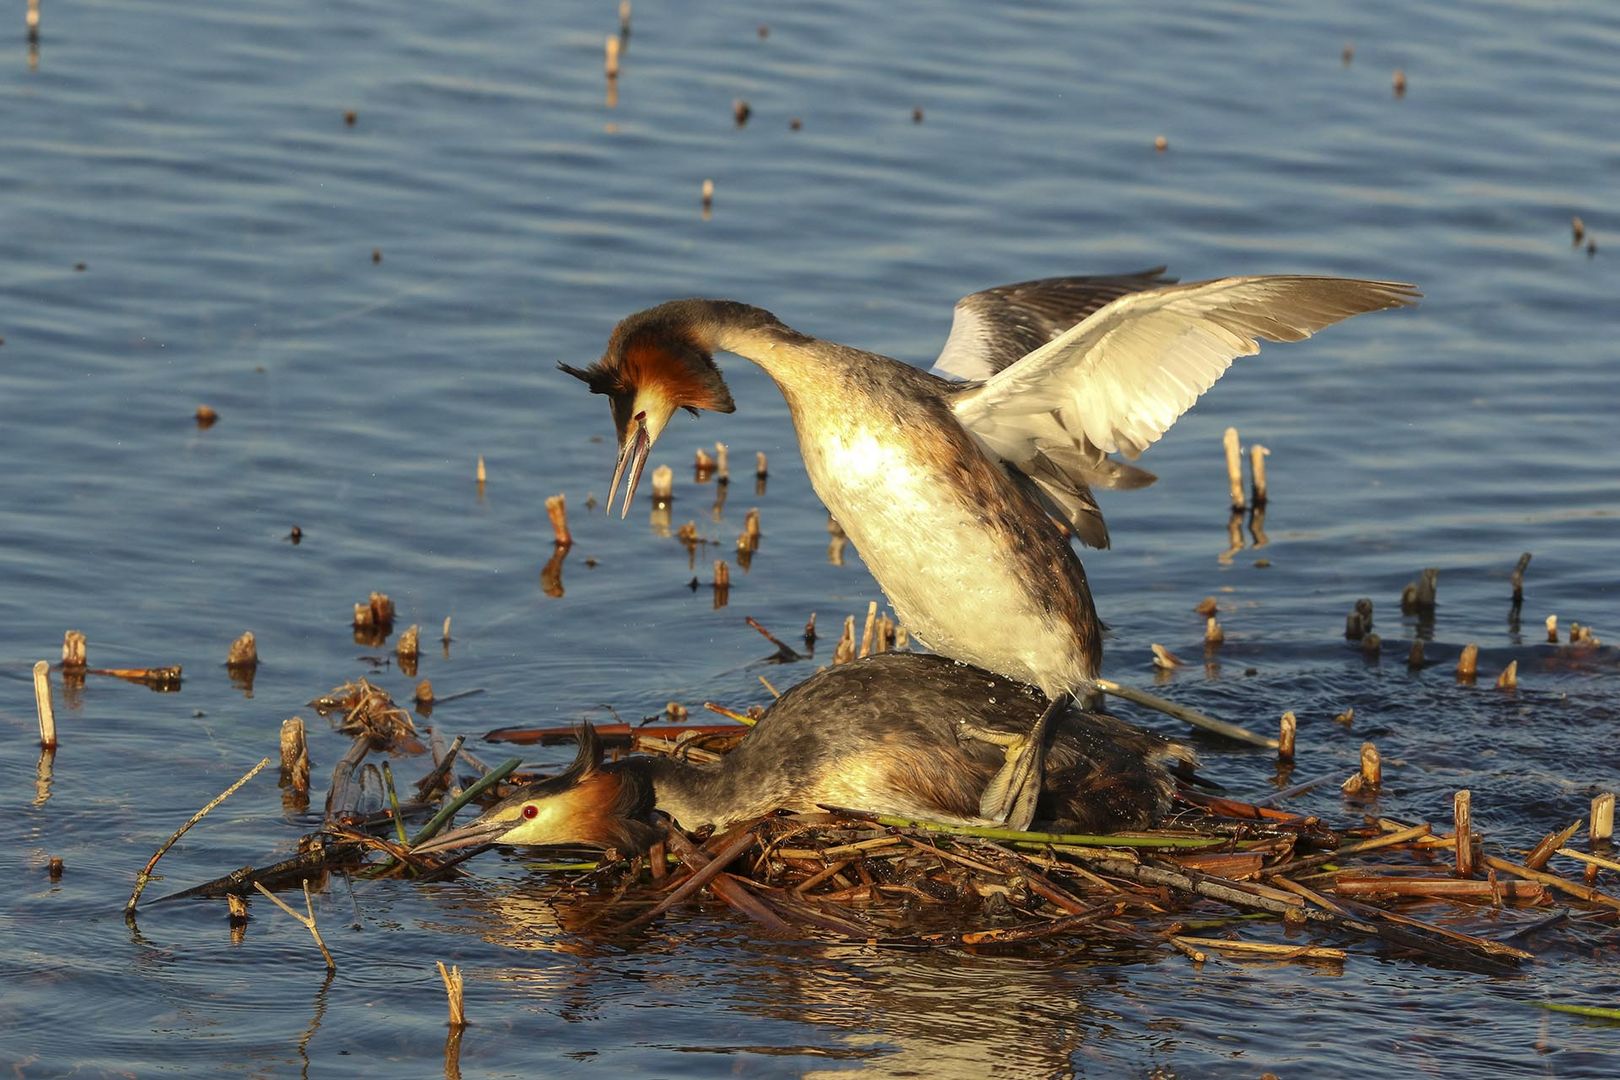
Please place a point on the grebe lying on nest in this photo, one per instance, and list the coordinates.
(880, 735)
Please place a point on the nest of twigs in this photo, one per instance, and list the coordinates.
(1221, 878)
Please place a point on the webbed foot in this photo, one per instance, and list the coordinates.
(1010, 796)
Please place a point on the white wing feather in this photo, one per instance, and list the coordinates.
(1121, 377)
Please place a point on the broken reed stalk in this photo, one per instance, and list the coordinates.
(308, 921)
(663, 486)
(73, 651)
(453, 992)
(1257, 473)
(294, 754)
(845, 652)
(445, 636)
(1372, 767)
(1285, 737)
(145, 875)
(557, 511)
(1509, 679)
(481, 474)
(1418, 597)
(1518, 577)
(761, 471)
(243, 655)
(42, 705)
(610, 56)
(1234, 466)
(722, 463)
(869, 630)
(784, 652)
(1468, 663)
(1462, 830)
(722, 575)
(1552, 629)
(1549, 845)
(1181, 712)
(1213, 634)
(1602, 827)
(409, 646)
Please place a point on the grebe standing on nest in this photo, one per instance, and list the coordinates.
(877, 735)
(945, 486)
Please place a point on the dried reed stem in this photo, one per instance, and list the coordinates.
(1181, 712)
(557, 511)
(480, 473)
(1462, 829)
(1257, 472)
(1518, 577)
(663, 486)
(243, 654)
(1285, 737)
(845, 652)
(453, 991)
(42, 705)
(1602, 818)
(870, 628)
(1468, 663)
(1372, 767)
(145, 875)
(1549, 844)
(294, 754)
(73, 651)
(308, 921)
(1234, 466)
(1509, 679)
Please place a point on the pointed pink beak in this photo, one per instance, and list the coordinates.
(632, 455)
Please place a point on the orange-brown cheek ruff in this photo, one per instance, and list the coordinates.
(651, 367)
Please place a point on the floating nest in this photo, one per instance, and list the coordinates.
(1220, 878)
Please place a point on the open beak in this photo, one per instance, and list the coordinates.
(480, 830)
(632, 456)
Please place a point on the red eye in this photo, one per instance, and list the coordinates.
(530, 810)
(642, 415)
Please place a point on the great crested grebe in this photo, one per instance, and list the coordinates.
(878, 735)
(945, 486)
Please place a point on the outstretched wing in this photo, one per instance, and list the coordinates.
(1117, 381)
(997, 327)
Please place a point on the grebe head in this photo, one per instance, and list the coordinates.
(589, 804)
(657, 361)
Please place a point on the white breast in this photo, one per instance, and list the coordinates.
(948, 575)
